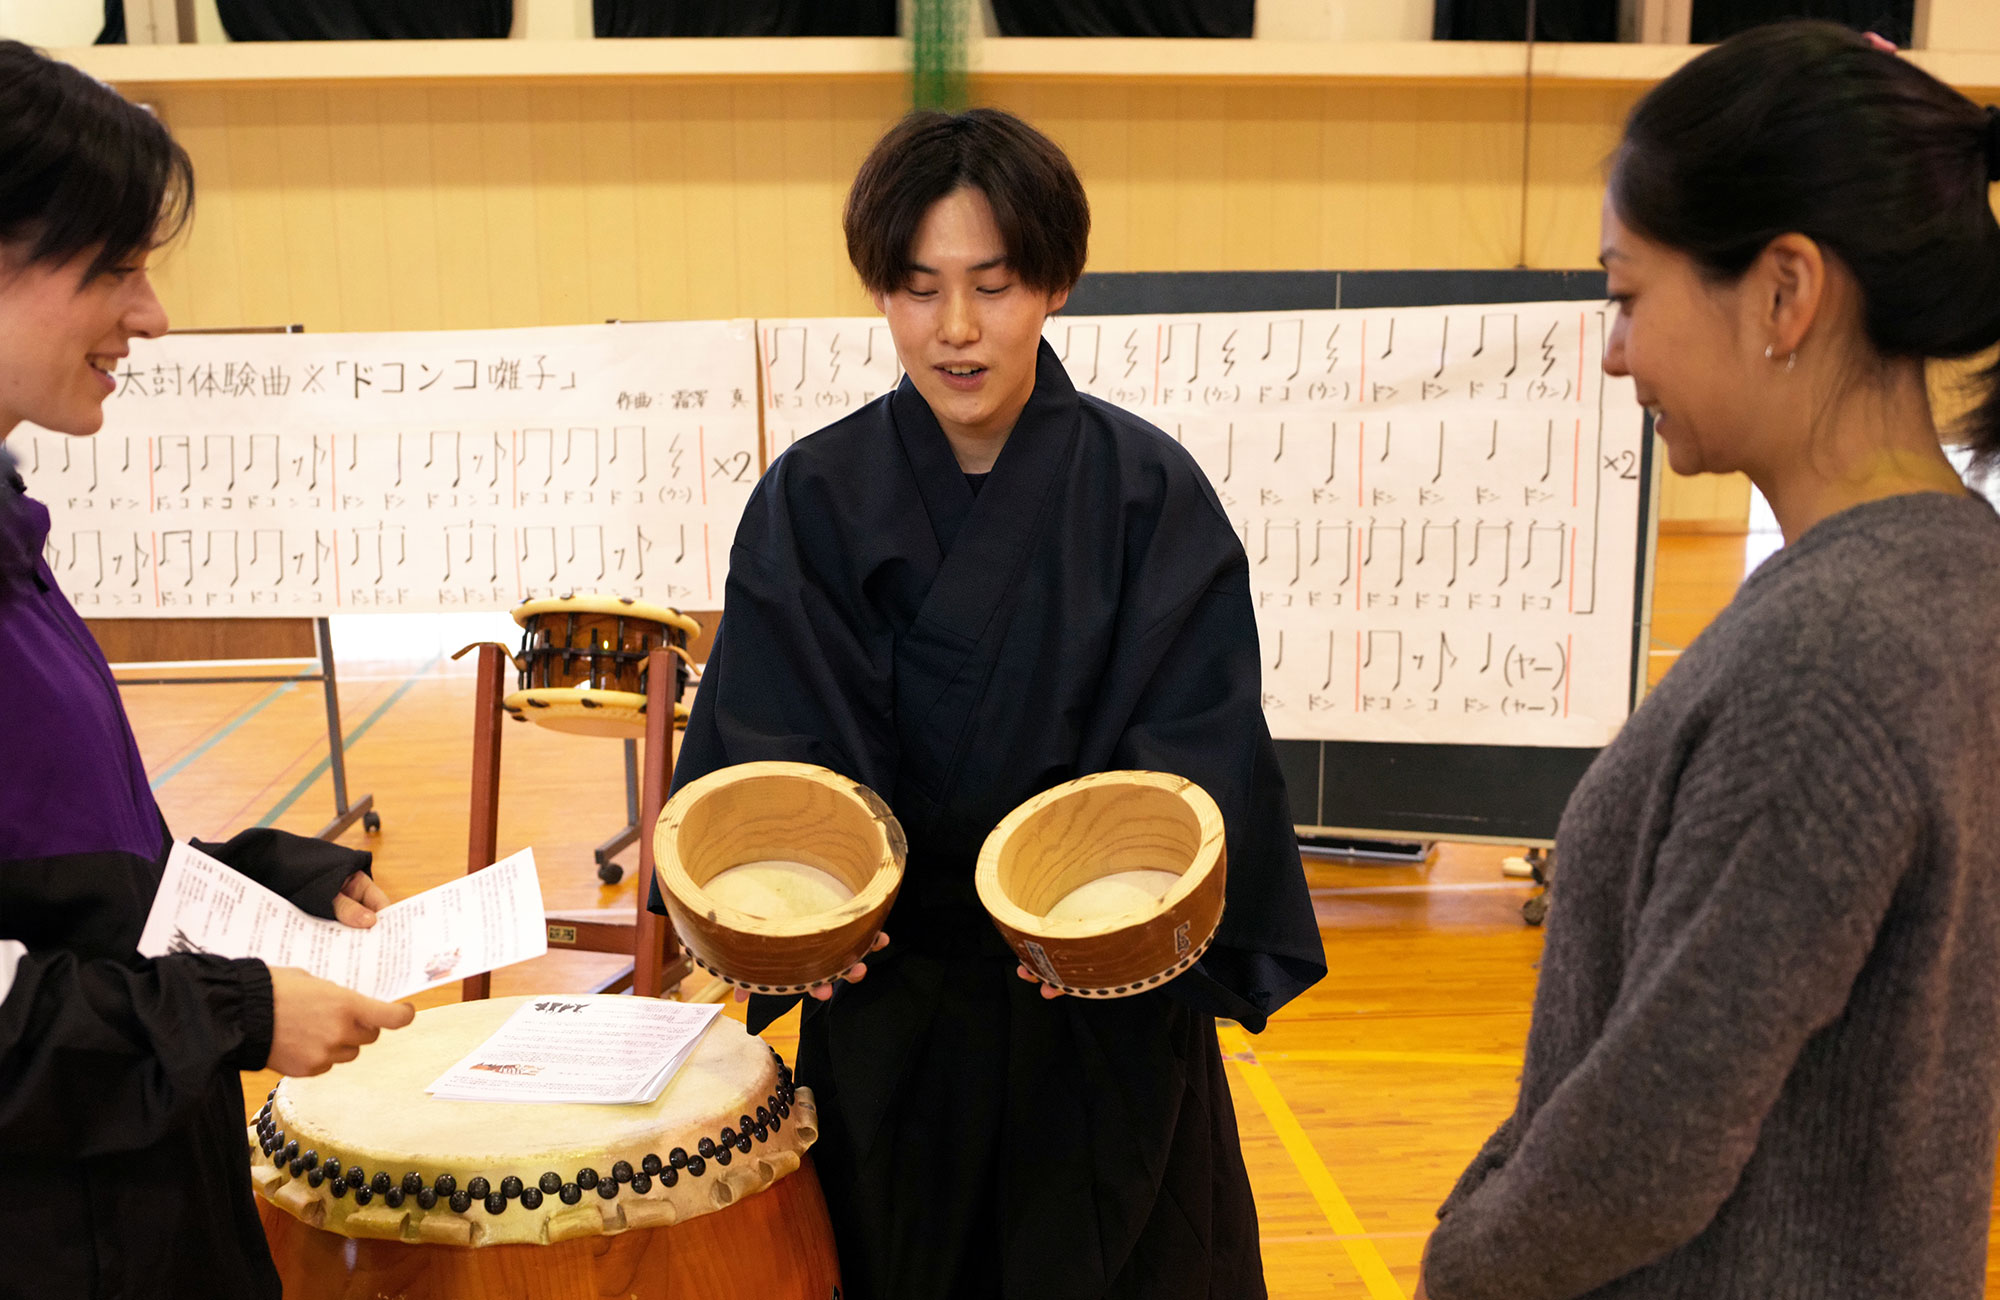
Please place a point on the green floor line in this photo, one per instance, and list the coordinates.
(181, 765)
(326, 764)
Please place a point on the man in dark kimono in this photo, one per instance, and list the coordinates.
(978, 587)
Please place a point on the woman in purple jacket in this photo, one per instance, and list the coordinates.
(123, 1164)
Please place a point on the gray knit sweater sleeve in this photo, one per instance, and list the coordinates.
(1724, 1023)
(1733, 965)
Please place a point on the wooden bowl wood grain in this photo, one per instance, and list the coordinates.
(791, 813)
(1108, 885)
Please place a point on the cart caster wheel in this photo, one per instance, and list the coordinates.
(610, 873)
(1536, 909)
(371, 822)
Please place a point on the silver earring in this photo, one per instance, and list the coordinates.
(1771, 354)
(1791, 361)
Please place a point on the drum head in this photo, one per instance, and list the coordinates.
(619, 715)
(590, 602)
(372, 1123)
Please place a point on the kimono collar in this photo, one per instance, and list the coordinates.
(1040, 442)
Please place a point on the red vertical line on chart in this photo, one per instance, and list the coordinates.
(336, 561)
(700, 469)
(514, 470)
(1575, 462)
(1569, 666)
(150, 499)
(707, 564)
(332, 472)
(1596, 480)
(1358, 572)
(1579, 358)
(1357, 671)
(520, 588)
(1360, 462)
(156, 546)
(1362, 390)
(1159, 333)
(1572, 570)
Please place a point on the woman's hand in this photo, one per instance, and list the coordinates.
(358, 901)
(852, 975)
(315, 1024)
(1048, 990)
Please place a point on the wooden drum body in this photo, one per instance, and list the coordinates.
(778, 876)
(704, 1193)
(583, 662)
(1108, 885)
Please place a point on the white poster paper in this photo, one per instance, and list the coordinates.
(261, 475)
(1440, 505)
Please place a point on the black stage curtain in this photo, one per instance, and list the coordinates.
(1718, 20)
(114, 24)
(364, 20)
(1507, 20)
(746, 17)
(1231, 18)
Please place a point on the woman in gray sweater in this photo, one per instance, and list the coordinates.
(1765, 1055)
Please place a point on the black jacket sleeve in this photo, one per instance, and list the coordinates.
(98, 1057)
(306, 872)
(1201, 717)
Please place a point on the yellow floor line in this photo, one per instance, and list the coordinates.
(1353, 1237)
(1401, 1058)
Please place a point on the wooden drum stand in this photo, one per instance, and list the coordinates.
(658, 961)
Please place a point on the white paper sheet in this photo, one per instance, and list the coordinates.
(475, 924)
(607, 1050)
(276, 474)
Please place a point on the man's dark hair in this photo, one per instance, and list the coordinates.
(1037, 201)
(1806, 127)
(83, 168)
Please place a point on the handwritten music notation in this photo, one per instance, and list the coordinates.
(447, 519)
(817, 371)
(191, 503)
(1440, 506)
(1417, 490)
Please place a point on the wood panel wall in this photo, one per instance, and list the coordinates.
(399, 205)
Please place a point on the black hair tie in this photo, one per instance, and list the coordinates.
(1992, 144)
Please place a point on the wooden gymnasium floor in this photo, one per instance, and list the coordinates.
(1358, 1107)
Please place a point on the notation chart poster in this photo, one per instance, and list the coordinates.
(269, 474)
(1440, 505)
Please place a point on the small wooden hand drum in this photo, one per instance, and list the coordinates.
(583, 662)
(778, 876)
(1108, 885)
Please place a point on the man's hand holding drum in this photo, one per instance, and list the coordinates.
(852, 975)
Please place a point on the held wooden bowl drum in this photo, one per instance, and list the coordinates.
(583, 662)
(368, 1186)
(778, 876)
(1108, 885)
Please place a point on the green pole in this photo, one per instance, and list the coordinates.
(938, 61)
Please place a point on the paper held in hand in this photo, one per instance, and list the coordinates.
(580, 1048)
(484, 921)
